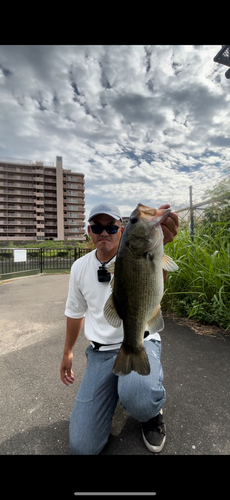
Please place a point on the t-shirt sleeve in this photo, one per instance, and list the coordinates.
(76, 305)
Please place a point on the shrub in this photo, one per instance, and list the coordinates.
(200, 289)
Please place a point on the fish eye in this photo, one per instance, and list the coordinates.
(133, 219)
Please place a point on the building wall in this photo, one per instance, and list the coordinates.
(74, 204)
(59, 193)
(39, 201)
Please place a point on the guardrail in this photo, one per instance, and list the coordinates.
(21, 260)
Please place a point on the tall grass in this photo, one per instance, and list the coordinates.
(200, 289)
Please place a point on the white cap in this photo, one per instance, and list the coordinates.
(105, 208)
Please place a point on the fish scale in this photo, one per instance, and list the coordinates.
(137, 296)
(137, 287)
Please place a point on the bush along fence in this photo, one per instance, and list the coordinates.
(15, 260)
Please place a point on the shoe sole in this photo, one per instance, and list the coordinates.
(151, 447)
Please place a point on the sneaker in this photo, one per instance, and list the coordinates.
(154, 433)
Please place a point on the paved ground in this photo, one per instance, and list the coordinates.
(35, 405)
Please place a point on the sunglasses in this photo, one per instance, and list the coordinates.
(110, 229)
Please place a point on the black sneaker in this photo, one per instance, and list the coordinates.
(154, 433)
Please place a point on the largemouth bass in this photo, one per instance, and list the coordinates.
(137, 287)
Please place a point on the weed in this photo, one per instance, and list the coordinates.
(200, 289)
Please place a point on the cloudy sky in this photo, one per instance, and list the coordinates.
(142, 122)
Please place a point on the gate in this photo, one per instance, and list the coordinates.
(21, 260)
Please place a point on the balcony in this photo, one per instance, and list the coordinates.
(51, 225)
(50, 209)
(20, 223)
(50, 187)
(19, 184)
(50, 177)
(51, 231)
(48, 194)
(54, 202)
(20, 215)
(19, 178)
(21, 230)
(38, 179)
(18, 207)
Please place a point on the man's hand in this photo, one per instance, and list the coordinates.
(66, 373)
(73, 328)
(169, 226)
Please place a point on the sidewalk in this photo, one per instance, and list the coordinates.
(36, 406)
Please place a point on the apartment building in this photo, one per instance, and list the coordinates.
(40, 201)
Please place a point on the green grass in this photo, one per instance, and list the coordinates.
(5, 277)
(200, 289)
(56, 271)
(22, 274)
(56, 244)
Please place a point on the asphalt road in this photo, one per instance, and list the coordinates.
(36, 406)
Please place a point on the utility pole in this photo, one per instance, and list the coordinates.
(191, 214)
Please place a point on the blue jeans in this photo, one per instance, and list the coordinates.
(96, 399)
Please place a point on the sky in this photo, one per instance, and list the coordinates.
(142, 122)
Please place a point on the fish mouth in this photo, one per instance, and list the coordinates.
(153, 215)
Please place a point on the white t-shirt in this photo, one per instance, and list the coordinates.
(87, 297)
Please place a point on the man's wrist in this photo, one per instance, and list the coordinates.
(68, 351)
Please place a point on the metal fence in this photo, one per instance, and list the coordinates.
(192, 215)
(21, 260)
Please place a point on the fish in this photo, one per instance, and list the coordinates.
(138, 287)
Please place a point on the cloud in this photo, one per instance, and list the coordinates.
(141, 122)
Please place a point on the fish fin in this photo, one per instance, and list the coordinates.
(168, 264)
(156, 323)
(127, 361)
(111, 267)
(111, 314)
(112, 283)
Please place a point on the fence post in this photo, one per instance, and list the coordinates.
(75, 254)
(191, 214)
(41, 259)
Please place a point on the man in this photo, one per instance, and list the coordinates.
(96, 399)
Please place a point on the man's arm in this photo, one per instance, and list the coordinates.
(73, 328)
(165, 275)
(169, 228)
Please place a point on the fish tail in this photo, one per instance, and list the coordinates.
(126, 361)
